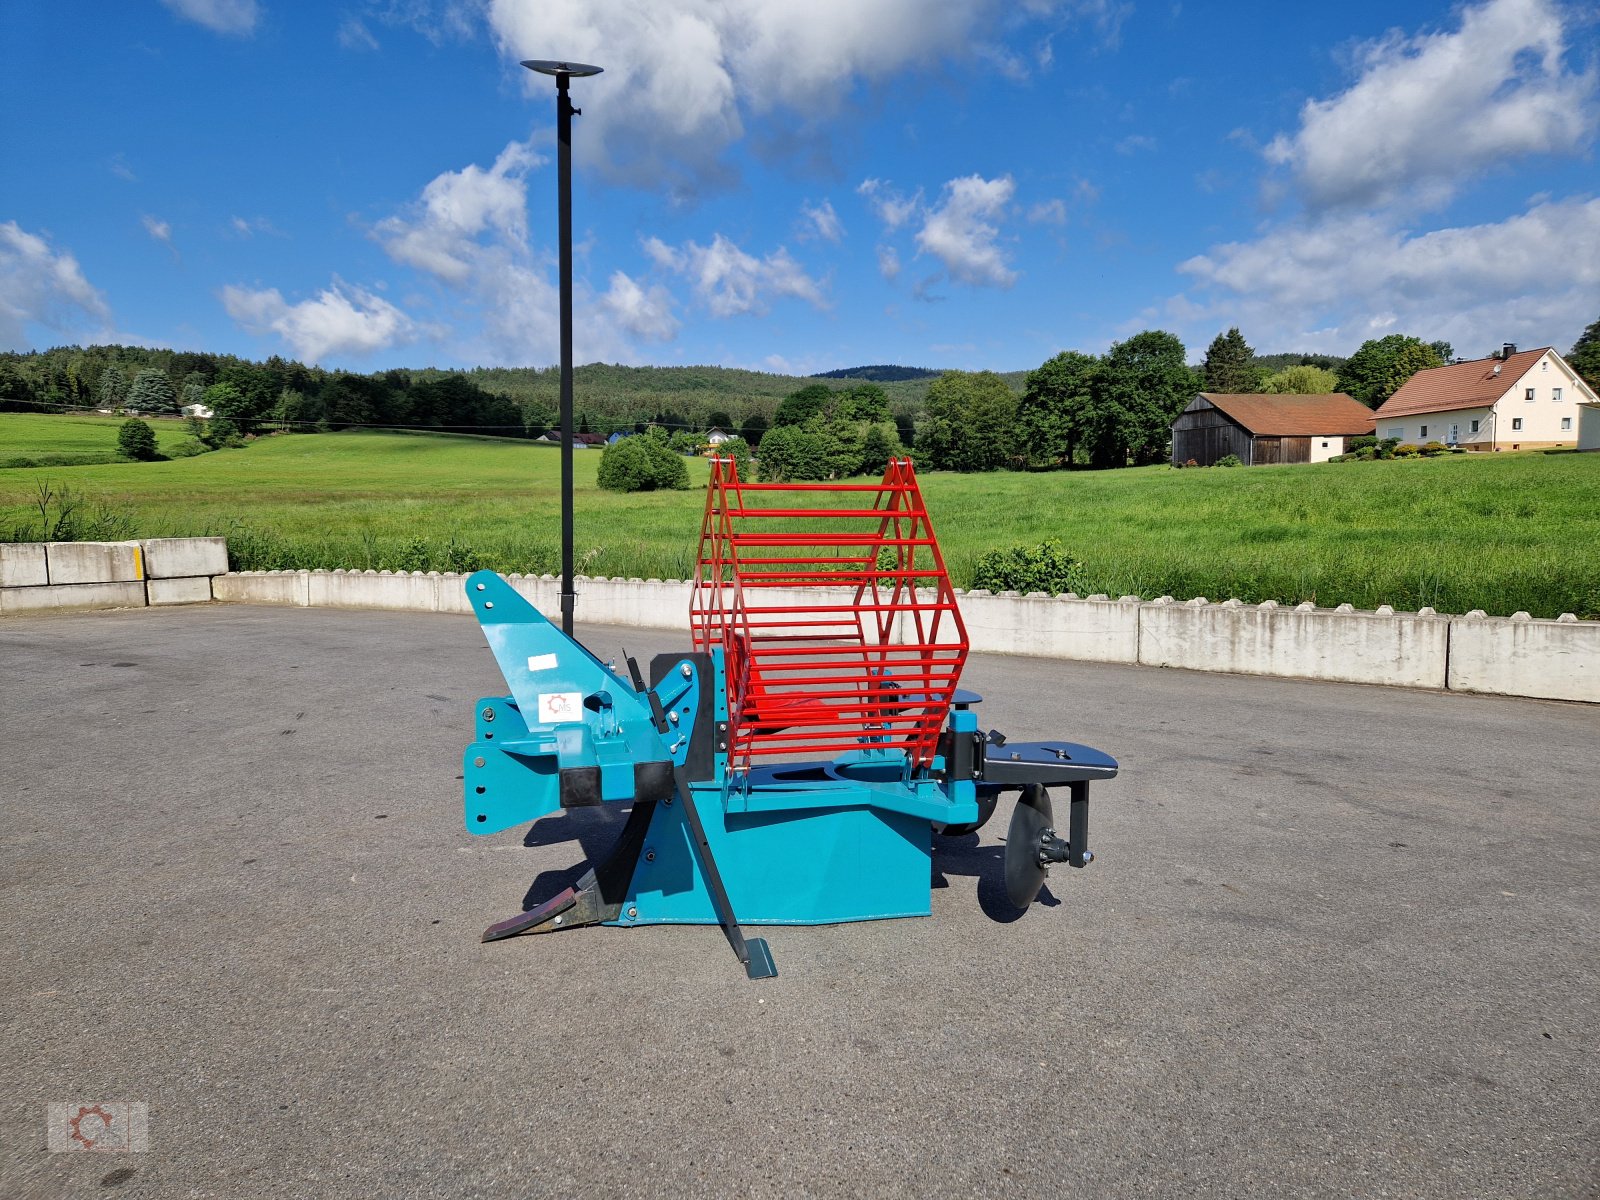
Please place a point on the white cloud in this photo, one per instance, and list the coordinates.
(468, 232)
(645, 313)
(960, 232)
(730, 282)
(821, 222)
(1432, 110)
(684, 78)
(889, 262)
(893, 209)
(354, 35)
(41, 286)
(1331, 282)
(160, 230)
(1134, 143)
(442, 232)
(1049, 212)
(237, 18)
(340, 319)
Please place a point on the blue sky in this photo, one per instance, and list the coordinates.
(797, 186)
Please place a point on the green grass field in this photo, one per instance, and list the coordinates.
(1507, 533)
(83, 438)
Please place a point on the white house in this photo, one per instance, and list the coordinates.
(715, 437)
(1513, 400)
(203, 411)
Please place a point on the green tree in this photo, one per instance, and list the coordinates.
(192, 392)
(753, 429)
(968, 422)
(795, 452)
(642, 463)
(1584, 357)
(864, 402)
(877, 448)
(1375, 372)
(112, 390)
(16, 394)
(1141, 386)
(1443, 349)
(813, 400)
(226, 405)
(737, 449)
(719, 419)
(1054, 398)
(1227, 368)
(136, 440)
(1301, 381)
(153, 392)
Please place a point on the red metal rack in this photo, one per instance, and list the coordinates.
(834, 611)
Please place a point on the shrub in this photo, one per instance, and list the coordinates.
(222, 432)
(1406, 450)
(1228, 460)
(1046, 567)
(641, 463)
(188, 448)
(737, 449)
(137, 440)
(1434, 448)
(1366, 441)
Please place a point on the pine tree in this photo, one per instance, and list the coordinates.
(112, 391)
(136, 440)
(153, 392)
(1227, 368)
(1584, 357)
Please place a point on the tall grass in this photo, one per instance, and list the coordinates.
(1507, 533)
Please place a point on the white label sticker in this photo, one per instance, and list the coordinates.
(542, 662)
(556, 707)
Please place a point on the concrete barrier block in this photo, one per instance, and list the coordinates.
(452, 592)
(1052, 626)
(1554, 660)
(194, 590)
(645, 603)
(128, 594)
(22, 564)
(184, 558)
(94, 562)
(372, 589)
(1350, 647)
(261, 587)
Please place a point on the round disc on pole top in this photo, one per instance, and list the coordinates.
(547, 66)
(1025, 874)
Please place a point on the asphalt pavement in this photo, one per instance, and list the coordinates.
(1337, 941)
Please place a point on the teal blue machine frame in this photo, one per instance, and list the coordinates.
(790, 844)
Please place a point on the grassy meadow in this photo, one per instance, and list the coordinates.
(48, 440)
(1507, 533)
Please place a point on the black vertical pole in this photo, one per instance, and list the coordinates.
(564, 111)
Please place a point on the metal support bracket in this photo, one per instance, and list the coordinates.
(753, 952)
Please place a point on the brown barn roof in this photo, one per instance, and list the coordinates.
(1461, 385)
(1332, 414)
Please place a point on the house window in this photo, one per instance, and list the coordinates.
(1422, 431)
(1555, 394)
(1566, 423)
(1324, 445)
(1455, 434)
(1474, 424)
(1396, 431)
(1528, 395)
(1516, 423)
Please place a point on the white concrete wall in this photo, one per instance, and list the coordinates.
(1589, 427)
(1518, 656)
(35, 576)
(1399, 649)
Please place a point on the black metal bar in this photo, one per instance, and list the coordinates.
(1078, 825)
(564, 111)
(753, 953)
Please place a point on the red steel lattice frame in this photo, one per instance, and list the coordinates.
(835, 613)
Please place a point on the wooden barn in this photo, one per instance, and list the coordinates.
(1267, 429)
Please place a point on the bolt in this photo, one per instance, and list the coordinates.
(477, 762)
(1088, 857)
(558, 920)
(488, 714)
(632, 912)
(673, 716)
(687, 670)
(649, 856)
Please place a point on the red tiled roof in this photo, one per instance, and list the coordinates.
(1332, 414)
(1461, 385)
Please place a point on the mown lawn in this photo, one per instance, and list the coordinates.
(1508, 533)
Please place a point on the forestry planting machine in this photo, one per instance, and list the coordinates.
(793, 768)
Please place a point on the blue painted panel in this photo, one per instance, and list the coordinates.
(784, 868)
